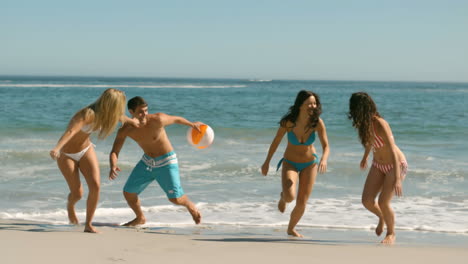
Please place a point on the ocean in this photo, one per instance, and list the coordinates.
(429, 122)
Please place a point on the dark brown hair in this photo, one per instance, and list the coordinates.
(362, 110)
(293, 112)
(135, 102)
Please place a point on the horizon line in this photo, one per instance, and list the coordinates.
(226, 78)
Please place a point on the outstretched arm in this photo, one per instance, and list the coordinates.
(114, 154)
(322, 132)
(274, 145)
(169, 120)
(76, 123)
(127, 120)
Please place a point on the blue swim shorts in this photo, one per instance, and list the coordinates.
(164, 169)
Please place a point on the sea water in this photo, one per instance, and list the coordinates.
(429, 122)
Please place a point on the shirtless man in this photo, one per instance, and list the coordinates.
(158, 163)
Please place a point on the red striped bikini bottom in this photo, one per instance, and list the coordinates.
(386, 168)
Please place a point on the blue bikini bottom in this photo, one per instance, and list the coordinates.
(297, 165)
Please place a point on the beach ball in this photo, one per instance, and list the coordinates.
(200, 139)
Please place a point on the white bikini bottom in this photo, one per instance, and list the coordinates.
(77, 156)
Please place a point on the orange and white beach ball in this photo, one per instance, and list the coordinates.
(200, 139)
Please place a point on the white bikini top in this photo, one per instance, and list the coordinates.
(87, 129)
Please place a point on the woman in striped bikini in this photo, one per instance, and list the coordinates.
(389, 165)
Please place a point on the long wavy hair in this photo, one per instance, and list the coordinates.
(106, 111)
(362, 110)
(294, 110)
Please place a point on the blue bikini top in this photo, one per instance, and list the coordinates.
(293, 139)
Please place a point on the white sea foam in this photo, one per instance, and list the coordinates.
(25, 141)
(413, 214)
(39, 85)
(196, 167)
(349, 154)
(30, 172)
(260, 80)
(233, 142)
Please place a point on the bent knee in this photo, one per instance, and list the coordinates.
(130, 196)
(94, 187)
(76, 194)
(177, 200)
(288, 184)
(288, 197)
(384, 203)
(368, 202)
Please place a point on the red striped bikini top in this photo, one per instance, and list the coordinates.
(378, 141)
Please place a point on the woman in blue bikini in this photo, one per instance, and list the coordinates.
(74, 151)
(300, 161)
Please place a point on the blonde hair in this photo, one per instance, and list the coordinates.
(106, 111)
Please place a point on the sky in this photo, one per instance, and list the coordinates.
(395, 40)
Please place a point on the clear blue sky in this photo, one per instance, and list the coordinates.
(342, 40)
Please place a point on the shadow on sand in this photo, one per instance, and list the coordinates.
(42, 227)
(284, 240)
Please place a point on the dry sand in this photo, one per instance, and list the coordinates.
(29, 242)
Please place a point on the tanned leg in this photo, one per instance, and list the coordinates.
(306, 183)
(384, 203)
(90, 169)
(372, 187)
(134, 203)
(192, 209)
(69, 169)
(289, 178)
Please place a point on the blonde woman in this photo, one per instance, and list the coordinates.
(75, 152)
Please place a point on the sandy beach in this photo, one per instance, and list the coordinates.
(30, 242)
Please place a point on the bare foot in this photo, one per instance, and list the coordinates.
(281, 204)
(294, 233)
(389, 239)
(135, 222)
(72, 215)
(90, 229)
(379, 228)
(196, 215)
